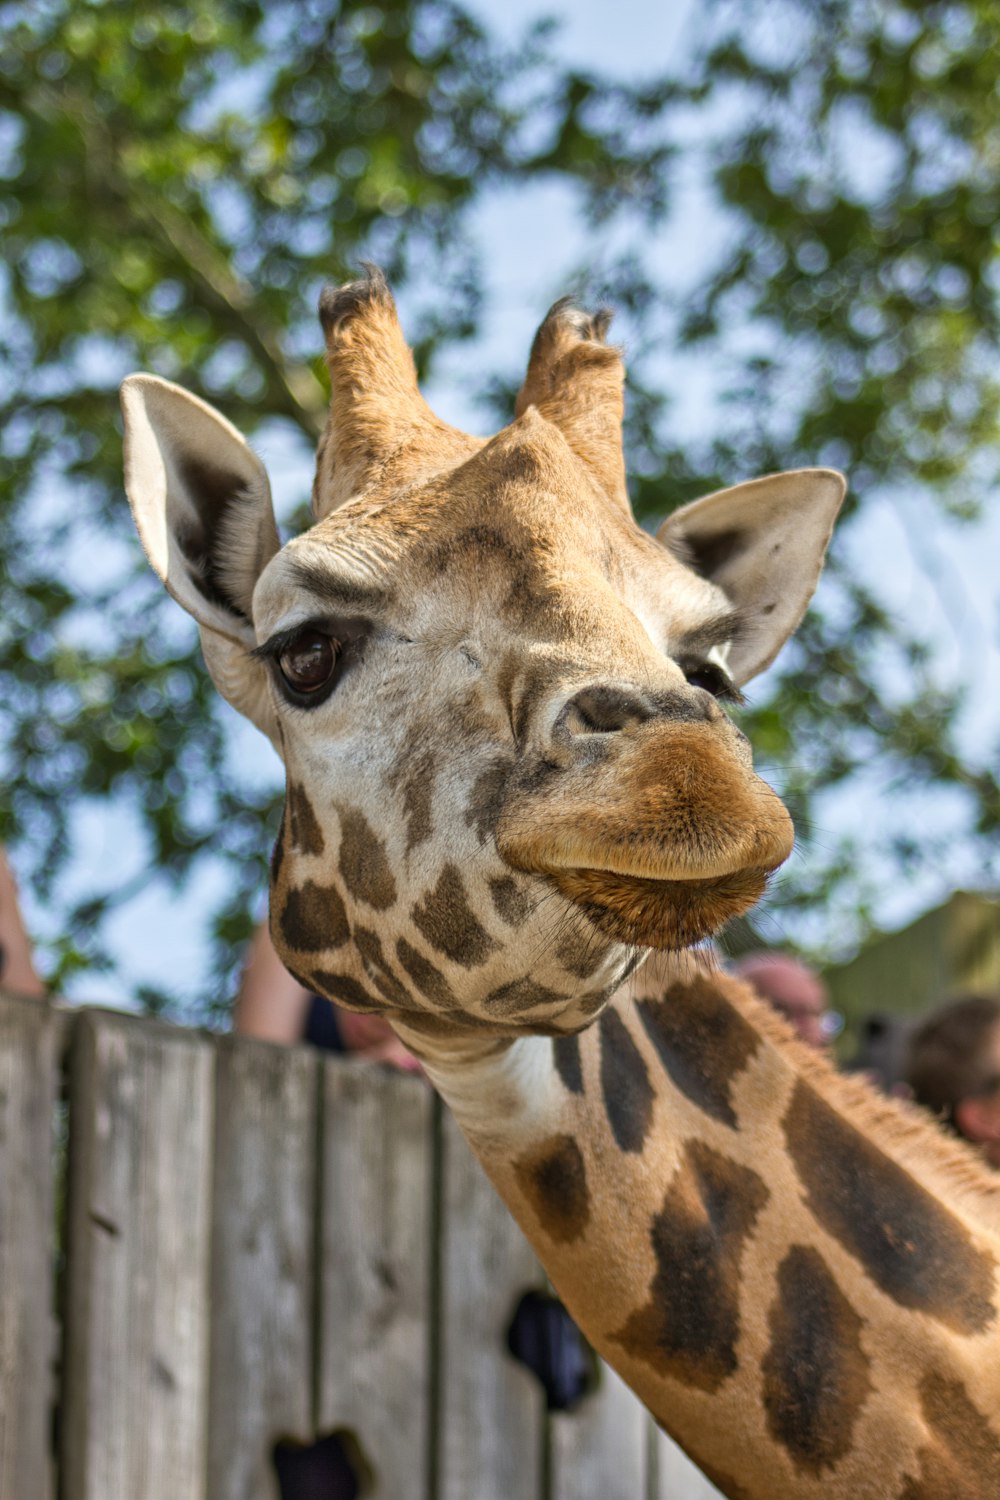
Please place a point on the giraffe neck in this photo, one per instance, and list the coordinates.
(798, 1278)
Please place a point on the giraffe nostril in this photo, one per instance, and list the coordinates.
(605, 710)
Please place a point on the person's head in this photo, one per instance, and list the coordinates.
(793, 989)
(953, 1068)
(881, 1052)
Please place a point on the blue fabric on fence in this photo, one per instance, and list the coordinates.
(321, 1471)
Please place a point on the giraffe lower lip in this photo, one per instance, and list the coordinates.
(660, 913)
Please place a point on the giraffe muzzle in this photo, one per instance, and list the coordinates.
(659, 845)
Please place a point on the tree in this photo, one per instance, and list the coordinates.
(856, 309)
(177, 181)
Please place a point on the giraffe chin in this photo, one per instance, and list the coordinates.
(667, 914)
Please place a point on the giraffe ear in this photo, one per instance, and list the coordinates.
(202, 506)
(763, 544)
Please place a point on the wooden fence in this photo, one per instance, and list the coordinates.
(209, 1245)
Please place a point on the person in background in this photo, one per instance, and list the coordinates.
(17, 968)
(793, 989)
(881, 1052)
(953, 1068)
(273, 1006)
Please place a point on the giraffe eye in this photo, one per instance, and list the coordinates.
(308, 661)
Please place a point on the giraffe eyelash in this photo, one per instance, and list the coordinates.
(271, 649)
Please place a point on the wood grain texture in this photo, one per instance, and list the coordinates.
(140, 1174)
(599, 1451)
(491, 1421)
(355, 1264)
(28, 1083)
(375, 1274)
(263, 1262)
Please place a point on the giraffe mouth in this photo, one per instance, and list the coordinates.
(667, 914)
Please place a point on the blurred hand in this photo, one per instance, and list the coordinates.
(373, 1039)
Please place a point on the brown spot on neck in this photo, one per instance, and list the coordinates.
(914, 1248)
(380, 971)
(426, 976)
(451, 1026)
(449, 923)
(580, 957)
(535, 684)
(690, 1325)
(303, 825)
(278, 856)
(510, 899)
(418, 795)
(363, 861)
(566, 1055)
(703, 1043)
(507, 674)
(589, 1004)
(625, 1084)
(816, 1373)
(520, 996)
(487, 798)
(553, 1178)
(344, 990)
(962, 1460)
(313, 919)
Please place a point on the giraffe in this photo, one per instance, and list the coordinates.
(515, 806)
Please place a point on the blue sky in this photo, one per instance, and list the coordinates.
(938, 576)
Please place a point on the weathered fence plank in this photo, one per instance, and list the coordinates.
(28, 1072)
(375, 1275)
(491, 1415)
(260, 1245)
(263, 1263)
(135, 1407)
(599, 1451)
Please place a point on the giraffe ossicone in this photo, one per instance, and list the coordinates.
(514, 799)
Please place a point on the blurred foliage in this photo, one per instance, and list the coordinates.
(857, 160)
(176, 182)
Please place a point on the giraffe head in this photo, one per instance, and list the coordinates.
(500, 703)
